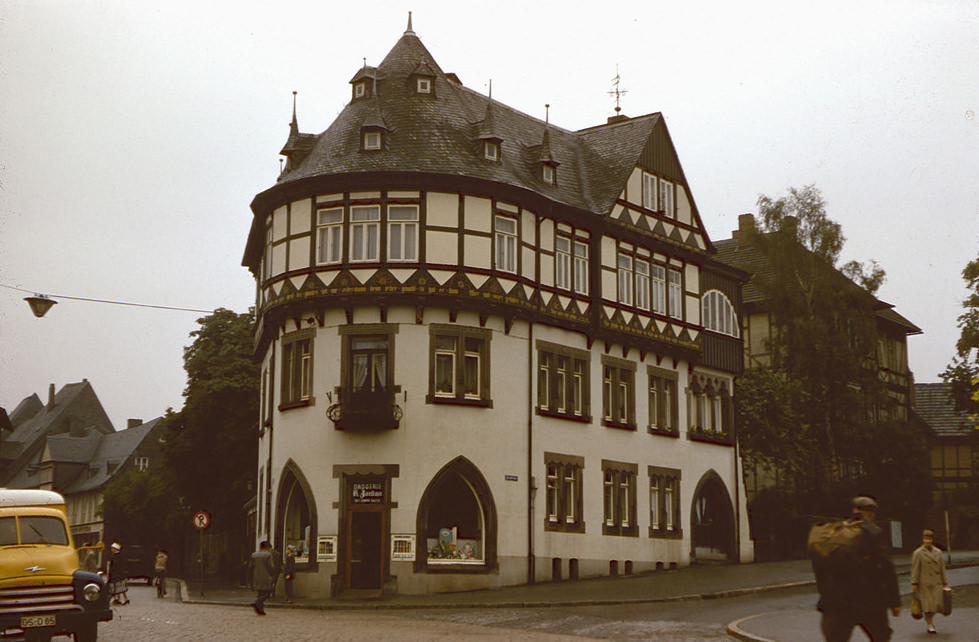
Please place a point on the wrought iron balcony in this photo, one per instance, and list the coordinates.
(365, 410)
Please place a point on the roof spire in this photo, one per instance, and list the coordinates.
(409, 31)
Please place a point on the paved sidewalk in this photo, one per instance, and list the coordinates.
(688, 583)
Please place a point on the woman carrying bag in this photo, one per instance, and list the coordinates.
(928, 580)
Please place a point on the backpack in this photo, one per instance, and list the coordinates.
(835, 541)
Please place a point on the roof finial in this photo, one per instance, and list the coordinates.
(547, 113)
(617, 91)
(409, 31)
(294, 125)
(491, 89)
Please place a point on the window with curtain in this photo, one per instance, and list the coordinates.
(459, 368)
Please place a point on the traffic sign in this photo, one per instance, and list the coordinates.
(201, 520)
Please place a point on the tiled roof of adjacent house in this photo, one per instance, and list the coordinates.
(934, 404)
(442, 132)
(752, 260)
(111, 449)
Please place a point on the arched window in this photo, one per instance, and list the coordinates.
(718, 314)
(457, 521)
(454, 533)
(296, 514)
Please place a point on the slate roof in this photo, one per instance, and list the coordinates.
(441, 133)
(115, 448)
(933, 403)
(92, 452)
(43, 420)
(752, 260)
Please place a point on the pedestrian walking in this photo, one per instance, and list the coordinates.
(276, 569)
(118, 579)
(289, 571)
(262, 570)
(928, 580)
(160, 568)
(857, 587)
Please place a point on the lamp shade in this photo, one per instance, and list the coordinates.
(40, 304)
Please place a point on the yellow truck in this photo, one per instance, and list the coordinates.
(44, 592)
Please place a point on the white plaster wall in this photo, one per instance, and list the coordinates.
(300, 216)
(479, 214)
(299, 253)
(442, 209)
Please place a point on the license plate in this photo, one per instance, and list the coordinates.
(33, 621)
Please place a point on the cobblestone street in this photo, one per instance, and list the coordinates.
(147, 619)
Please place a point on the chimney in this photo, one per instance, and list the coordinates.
(790, 225)
(51, 397)
(132, 423)
(746, 227)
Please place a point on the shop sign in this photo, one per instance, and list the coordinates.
(367, 492)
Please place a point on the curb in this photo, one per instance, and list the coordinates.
(734, 629)
(361, 606)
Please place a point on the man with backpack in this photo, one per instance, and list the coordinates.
(856, 579)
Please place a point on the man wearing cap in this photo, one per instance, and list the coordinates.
(859, 589)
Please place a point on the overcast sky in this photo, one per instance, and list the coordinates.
(133, 137)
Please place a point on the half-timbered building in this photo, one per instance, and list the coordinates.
(494, 351)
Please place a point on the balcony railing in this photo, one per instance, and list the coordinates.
(365, 411)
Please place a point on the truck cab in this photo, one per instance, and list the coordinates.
(43, 590)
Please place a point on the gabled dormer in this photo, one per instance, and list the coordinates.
(298, 145)
(490, 141)
(547, 164)
(422, 80)
(373, 130)
(363, 83)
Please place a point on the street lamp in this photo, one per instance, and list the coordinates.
(40, 304)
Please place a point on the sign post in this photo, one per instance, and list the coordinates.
(201, 521)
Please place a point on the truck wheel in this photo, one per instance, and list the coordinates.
(87, 633)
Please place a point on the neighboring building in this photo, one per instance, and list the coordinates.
(69, 446)
(493, 351)
(954, 440)
(890, 357)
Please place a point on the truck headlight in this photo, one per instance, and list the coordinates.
(92, 591)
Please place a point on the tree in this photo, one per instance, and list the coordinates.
(824, 326)
(963, 372)
(211, 445)
(139, 507)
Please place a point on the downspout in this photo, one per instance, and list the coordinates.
(737, 481)
(531, 561)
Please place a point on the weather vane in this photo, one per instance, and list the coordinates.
(617, 91)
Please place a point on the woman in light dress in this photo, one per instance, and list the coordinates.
(928, 580)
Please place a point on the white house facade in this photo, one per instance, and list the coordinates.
(493, 351)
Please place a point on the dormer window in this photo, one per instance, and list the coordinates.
(423, 85)
(372, 139)
(491, 149)
(360, 89)
(549, 174)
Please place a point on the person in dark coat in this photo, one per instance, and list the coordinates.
(289, 571)
(860, 591)
(928, 579)
(262, 571)
(276, 568)
(118, 581)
